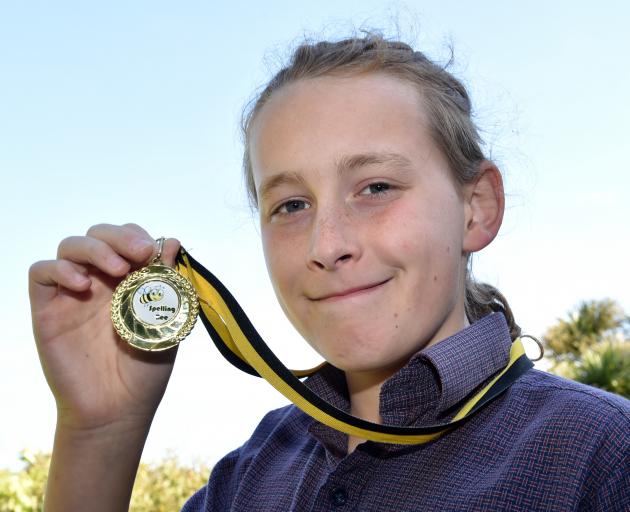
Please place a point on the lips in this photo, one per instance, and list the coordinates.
(350, 292)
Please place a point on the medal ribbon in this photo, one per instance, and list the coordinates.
(239, 342)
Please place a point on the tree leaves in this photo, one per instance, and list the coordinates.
(592, 346)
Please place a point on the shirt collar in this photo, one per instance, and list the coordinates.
(435, 380)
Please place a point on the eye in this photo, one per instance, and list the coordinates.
(376, 188)
(292, 206)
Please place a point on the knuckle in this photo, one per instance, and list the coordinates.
(64, 266)
(96, 228)
(64, 244)
(34, 268)
(174, 243)
(132, 231)
(41, 269)
(135, 229)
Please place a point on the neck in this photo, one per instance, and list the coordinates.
(364, 387)
(364, 390)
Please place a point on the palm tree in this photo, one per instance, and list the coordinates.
(593, 346)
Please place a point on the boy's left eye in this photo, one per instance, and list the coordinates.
(375, 189)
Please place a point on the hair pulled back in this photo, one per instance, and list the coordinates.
(449, 114)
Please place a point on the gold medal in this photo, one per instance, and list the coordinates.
(154, 308)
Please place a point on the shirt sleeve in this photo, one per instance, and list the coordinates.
(614, 493)
(218, 493)
(227, 474)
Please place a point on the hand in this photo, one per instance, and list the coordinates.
(96, 378)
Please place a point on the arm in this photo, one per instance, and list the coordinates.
(614, 492)
(106, 392)
(94, 470)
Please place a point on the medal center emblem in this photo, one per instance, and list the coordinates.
(156, 302)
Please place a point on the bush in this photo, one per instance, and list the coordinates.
(162, 486)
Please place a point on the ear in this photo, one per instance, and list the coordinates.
(484, 206)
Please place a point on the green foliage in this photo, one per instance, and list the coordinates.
(592, 346)
(163, 486)
(23, 491)
(584, 328)
(167, 485)
(606, 366)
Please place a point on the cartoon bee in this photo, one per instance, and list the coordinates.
(151, 294)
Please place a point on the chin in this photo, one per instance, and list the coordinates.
(365, 353)
(366, 365)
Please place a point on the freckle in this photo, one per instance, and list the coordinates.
(395, 315)
(435, 277)
(396, 326)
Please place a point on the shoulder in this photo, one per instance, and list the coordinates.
(286, 422)
(568, 413)
(278, 436)
(280, 429)
(559, 393)
(279, 433)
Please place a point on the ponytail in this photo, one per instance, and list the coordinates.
(483, 299)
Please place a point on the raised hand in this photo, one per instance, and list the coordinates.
(96, 378)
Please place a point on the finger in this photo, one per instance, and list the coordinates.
(170, 250)
(130, 241)
(92, 251)
(46, 276)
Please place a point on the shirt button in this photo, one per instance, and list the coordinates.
(338, 496)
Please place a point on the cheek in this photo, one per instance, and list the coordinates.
(272, 249)
(426, 239)
(282, 256)
(414, 229)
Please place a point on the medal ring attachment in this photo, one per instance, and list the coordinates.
(160, 247)
(155, 307)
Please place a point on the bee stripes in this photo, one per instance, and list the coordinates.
(151, 295)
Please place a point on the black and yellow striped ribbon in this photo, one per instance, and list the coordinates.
(239, 342)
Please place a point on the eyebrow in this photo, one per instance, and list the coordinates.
(344, 164)
(276, 180)
(350, 162)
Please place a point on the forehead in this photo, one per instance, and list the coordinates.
(317, 121)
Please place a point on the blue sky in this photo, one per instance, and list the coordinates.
(128, 111)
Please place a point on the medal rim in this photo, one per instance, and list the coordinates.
(124, 293)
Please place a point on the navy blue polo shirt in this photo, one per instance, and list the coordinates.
(546, 444)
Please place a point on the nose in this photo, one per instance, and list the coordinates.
(334, 241)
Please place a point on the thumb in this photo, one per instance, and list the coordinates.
(170, 250)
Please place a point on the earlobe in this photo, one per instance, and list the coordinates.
(485, 203)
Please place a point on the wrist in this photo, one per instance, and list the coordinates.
(94, 465)
(118, 431)
(102, 425)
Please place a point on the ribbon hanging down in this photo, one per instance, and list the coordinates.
(239, 342)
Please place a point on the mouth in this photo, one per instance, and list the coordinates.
(351, 292)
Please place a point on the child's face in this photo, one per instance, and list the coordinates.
(362, 224)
